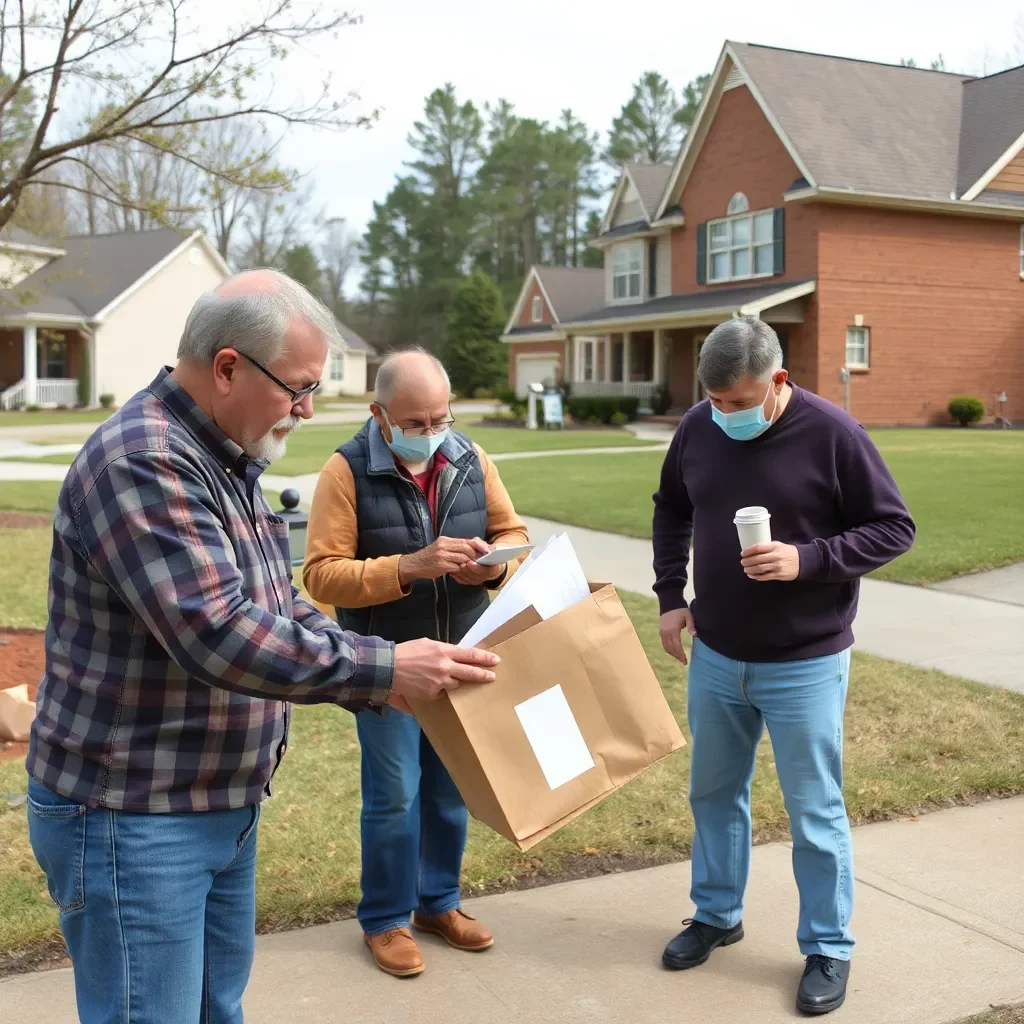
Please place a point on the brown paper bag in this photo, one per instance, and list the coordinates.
(592, 653)
(16, 713)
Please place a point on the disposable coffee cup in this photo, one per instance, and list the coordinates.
(753, 524)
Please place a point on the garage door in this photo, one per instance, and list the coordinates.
(535, 370)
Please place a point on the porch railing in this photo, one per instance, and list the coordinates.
(13, 396)
(49, 391)
(616, 388)
(643, 390)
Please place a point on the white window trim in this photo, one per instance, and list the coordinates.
(751, 246)
(866, 365)
(595, 347)
(537, 309)
(629, 247)
(738, 204)
(335, 356)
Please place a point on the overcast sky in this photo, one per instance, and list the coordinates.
(544, 55)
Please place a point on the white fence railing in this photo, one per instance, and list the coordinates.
(616, 388)
(13, 396)
(52, 391)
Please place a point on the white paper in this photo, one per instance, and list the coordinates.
(557, 742)
(499, 556)
(551, 580)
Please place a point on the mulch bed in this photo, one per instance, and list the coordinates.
(21, 662)
(23, 520)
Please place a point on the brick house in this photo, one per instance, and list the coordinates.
(874, 215)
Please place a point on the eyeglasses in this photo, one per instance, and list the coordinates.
(435, 428)
(297, 396)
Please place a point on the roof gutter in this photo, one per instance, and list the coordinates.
(699, 317)
(956, 207)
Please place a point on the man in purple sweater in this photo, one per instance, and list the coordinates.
(771, 628)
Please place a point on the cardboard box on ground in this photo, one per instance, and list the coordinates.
(576, 712)
(16, 714)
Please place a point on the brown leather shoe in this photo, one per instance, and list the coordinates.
(395, 952)
(457, 928)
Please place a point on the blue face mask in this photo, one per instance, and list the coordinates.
(745, 424)
(414, 450)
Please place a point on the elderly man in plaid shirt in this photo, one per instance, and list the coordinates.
(175, 642)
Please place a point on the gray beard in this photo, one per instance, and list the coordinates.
(269, 448)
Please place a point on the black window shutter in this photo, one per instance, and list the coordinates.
(652, 269)
(779, 236)
(702, 253)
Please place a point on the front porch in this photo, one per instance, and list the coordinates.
(629, 364)
(658, 364)
(43, 366)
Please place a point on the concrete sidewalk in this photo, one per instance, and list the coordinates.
(937, 939)
(966, 636)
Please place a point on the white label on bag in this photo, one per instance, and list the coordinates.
(557, 742)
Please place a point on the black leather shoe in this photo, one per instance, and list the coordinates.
(690, 948)
(823, 986)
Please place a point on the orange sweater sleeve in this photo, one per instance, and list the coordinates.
(332, 574)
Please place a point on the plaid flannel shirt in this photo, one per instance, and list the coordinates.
(175, 635)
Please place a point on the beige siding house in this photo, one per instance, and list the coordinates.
(346, 370)
(97, 315)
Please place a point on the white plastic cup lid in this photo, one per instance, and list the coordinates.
(752, 514)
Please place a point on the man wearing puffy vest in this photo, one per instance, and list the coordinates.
(400, 516)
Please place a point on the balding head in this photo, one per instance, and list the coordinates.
(412, 392)
(413, 369)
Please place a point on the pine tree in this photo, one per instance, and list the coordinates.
(471, 351)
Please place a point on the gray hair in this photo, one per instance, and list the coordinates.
(254, 323)
(390, 370)
(743, 347)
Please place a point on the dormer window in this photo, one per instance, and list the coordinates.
(738, 204)
(536, 310)
(627, 261)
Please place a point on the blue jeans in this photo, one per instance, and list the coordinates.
(413, 824)
(802, 703)
(158, 910)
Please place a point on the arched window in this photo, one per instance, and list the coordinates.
(738, 204)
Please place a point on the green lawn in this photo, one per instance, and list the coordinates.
(28, 495)
(311, 446)
(914, 740)
(965, 490)
(45, 417)
(63, 459)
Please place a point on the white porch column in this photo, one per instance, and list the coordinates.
(30, 362)
(627, 374)
(656, 367)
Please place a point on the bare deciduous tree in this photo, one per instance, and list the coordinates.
(339, 252)
(157, 72)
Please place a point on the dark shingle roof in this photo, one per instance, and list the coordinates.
(650, 181)
(884, 128)
(353, 340)
(993, 119)
(863, 126)
(691, 302)
(996, 197)
(95, 270)
(572, 290)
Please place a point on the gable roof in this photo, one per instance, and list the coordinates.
(353, 340)
(992, 131)
(860, 127)
(568, 293)
(94, 273)
(650, 181)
